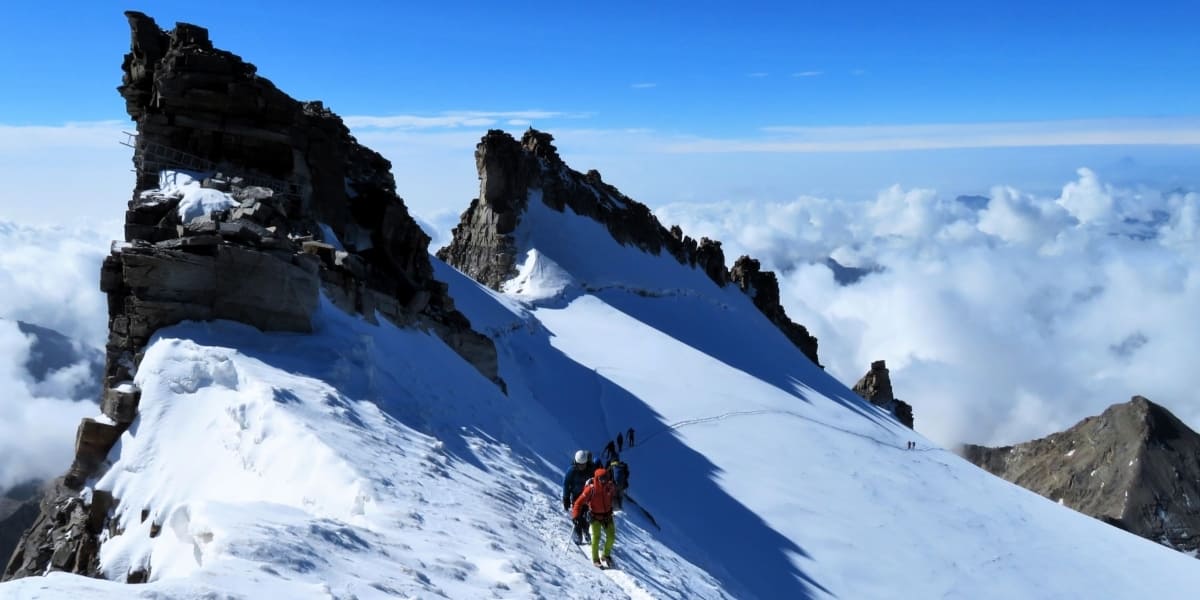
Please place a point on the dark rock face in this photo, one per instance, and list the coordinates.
(68, 527)
(876, 388)
(483, 246)
(763, 288)
(18, 510)
(1134, 466)
(278, 203)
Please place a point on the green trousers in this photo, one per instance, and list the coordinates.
(610, 535)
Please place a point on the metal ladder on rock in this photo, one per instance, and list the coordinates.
(154, 157)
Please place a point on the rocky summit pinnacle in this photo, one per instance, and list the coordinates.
(248, 205)
(484, 246)
(1135, 466)
(876, 388)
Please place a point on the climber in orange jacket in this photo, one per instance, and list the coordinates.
(597, 499)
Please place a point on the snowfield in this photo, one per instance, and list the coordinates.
(371, 462)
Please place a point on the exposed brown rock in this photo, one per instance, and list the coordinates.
(876, 388)
(1135, 466)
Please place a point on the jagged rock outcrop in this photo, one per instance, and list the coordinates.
(483, 246)
(1135, 466)
(876, 388)
(248, 204)
(18, 510)
(763, 288)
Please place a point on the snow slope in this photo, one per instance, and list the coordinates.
(371, 462)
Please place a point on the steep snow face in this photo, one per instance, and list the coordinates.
(372, 462)
(764, 471)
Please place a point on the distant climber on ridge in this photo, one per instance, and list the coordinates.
(629, 436)
(573, 484)
(620, 440)
(597, 499)
(610, 451)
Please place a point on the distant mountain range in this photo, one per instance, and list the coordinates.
(52, 351)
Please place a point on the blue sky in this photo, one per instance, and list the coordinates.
(672, 101)
(714, 68)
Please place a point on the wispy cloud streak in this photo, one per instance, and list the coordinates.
(451, 120)
(870, 138)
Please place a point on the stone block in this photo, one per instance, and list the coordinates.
(94, 439)
(121, 405)
(321, 250)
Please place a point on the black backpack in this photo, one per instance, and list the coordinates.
(620, 474)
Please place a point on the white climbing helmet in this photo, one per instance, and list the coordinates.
(583, 457)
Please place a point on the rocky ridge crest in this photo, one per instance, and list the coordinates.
(248, 204)
(1135, 466)
(484, 248)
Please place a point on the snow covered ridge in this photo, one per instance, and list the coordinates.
(519, 178)
(370, 461)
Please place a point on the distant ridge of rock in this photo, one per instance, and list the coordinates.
(483, 246)
(1135, 466)
(248, 204)
(52, 351)
(876, 388)
(18, 510)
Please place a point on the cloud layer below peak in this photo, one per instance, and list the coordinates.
(1002, 318)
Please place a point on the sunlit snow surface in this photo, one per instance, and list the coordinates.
(372, 462)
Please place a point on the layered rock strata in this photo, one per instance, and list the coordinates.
(876, 388)
(248, 205)
(484, 247)
(1135, 466)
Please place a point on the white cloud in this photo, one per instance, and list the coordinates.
(50, 277)
(643, 86)
(1086, 199)
(870, 138)
(758, 74)
(37, 420)
(95, 135)
(808, 74)
(1019, 218)
(452, 120)
(999, 324)
(66, 174)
